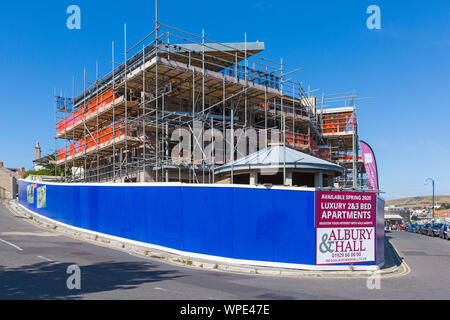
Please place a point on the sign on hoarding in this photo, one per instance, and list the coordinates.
(41, 197)
(345, 224)
(30, 194)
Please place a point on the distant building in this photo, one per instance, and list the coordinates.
(39, 162)
(419, 212)
(397, 215)
(8, 181)
(37, 151)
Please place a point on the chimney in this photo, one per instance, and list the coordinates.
(1, 164)
(22, 171)
(37, 150)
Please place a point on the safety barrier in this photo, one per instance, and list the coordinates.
(249, 224)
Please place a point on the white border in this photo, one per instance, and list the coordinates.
(168, 184)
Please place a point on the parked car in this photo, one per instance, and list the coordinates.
(443, 232)
(403, 227)
(418, 228)
(425, 228)
(412, 227)
(434, 229)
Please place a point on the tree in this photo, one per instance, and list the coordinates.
(50, 169)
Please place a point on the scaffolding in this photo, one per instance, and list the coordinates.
(120, 129)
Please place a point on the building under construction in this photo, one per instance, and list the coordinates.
(121, 128)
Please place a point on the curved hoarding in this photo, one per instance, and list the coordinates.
(274, 227)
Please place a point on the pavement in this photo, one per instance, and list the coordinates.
(34, 261)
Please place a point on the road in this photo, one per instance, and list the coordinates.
(34, 262)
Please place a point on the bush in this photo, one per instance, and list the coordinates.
(50, 169)
(42, 172)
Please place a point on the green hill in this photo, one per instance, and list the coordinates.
(413, 202)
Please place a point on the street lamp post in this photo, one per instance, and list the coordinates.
(432, 183)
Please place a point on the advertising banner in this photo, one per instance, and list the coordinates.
(345, 224)
(370, 165)
(41, 197)
(30, 194)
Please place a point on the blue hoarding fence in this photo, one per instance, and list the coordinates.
(270, 225)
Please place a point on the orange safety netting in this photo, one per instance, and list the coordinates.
(297, 140)
(90, 142)
(94, 106)
(338, 122)
(344, 157)
(325, 154)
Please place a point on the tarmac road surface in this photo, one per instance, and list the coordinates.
(34, 262)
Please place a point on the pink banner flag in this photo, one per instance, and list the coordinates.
(370, 164)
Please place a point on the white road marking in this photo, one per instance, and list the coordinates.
(35, 234)
(158, 288)
(44, 258)
(12, 245)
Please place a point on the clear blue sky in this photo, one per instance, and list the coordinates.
(404, 67)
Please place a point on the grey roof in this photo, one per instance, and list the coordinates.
(42, 160)
(274, 157)
(212, 47)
